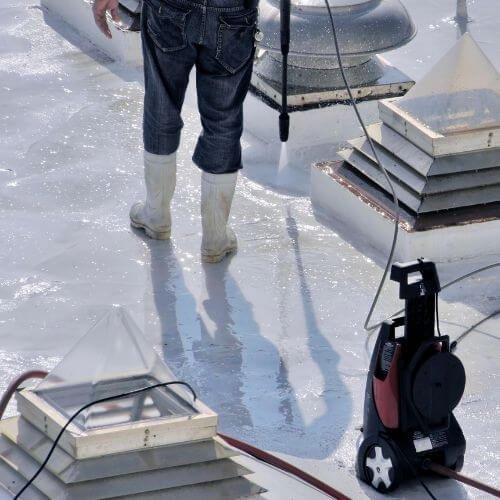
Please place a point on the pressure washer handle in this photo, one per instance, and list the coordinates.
(416, 278)
(285, 26)
(284, 119)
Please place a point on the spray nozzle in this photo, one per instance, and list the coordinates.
(284, 126)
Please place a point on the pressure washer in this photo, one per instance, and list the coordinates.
(414, 383)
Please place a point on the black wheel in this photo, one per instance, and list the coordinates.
(381, 467)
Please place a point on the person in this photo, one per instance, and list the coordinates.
(217, 37)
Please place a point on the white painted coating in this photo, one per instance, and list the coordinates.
(272, 339)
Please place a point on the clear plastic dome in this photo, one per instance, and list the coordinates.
(112, 358)
(461, 93)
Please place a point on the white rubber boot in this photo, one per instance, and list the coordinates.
(217, 191)
(153, 215)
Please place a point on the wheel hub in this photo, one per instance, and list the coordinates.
(380, 467)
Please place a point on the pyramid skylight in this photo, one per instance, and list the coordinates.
(114, 357)
(461, 93)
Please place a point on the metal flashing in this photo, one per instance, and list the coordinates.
(266, 85)
(71, 470)
(120, 485)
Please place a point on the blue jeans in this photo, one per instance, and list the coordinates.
(217, 37)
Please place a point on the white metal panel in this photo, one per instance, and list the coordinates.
(372, 172)
(400, 147)
(396, 167)
(19, 431)
(119, 485)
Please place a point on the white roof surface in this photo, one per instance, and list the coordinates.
(272, 339)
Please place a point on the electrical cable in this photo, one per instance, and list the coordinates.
(459, 339)
(428, 491)
(436, 298)
(267, 458)
(103, 400)
(464, 276)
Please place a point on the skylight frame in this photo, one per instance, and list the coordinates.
(116, 438)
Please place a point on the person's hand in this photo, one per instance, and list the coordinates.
(100, 8)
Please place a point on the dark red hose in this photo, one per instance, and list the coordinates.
(15, 384)
(445, 471)
(285, 466)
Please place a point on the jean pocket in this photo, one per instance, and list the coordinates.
(236, 39)
(166, 25)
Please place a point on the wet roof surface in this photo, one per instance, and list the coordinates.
(271, 339)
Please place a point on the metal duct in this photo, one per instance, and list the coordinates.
(365, 28)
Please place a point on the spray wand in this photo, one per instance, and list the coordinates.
(284, 120)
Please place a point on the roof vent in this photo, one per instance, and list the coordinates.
(440, 144)
(365, 28)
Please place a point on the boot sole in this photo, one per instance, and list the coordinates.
(213, 259)
(155, 235)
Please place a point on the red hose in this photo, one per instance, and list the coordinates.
(285, 466)
(9, 392)
(445, 471)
